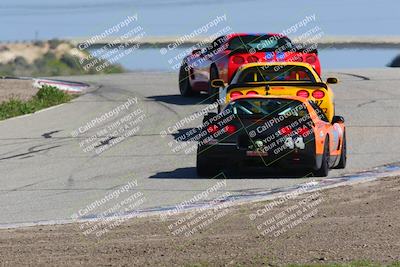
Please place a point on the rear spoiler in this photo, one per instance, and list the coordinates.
(266, 84)
(297, 48)
(237, 51)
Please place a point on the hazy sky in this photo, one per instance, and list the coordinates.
(21, 19)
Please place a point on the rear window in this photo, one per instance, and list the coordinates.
(265, 107)
(260, 43)
(321, 115)
(276, 73)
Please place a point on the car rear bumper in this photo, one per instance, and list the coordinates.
(228, 154)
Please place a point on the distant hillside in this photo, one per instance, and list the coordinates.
(48, 58)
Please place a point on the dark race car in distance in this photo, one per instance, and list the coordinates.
(222, 58)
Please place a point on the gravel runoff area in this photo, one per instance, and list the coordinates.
(339, 225)
(16, 89)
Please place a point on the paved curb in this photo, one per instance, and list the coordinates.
(67, 86)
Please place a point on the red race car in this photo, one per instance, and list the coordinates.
(224, 55)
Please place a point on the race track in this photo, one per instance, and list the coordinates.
(45, 175)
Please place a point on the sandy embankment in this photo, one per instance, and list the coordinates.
(17, 89)
(359, 222)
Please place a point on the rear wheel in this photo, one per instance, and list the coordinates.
(343, 154)
(184, 83)
(204, 166)
(213, 92)
(324, 169)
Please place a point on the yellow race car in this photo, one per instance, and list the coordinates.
(279, 78)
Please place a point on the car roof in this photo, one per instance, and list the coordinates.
(232, 35)
(285, 63)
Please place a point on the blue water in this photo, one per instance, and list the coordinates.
(151, 59)
(45, 19)
(356, 58)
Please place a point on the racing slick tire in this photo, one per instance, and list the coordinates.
(213, 92)
(324, 169)
(204, 167)
(343, 154)
(184, 84)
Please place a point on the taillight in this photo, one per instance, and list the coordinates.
(318, 94)
(238, 60)
(298, 58)
(251, 59)
(303, 93)
(311, 59)
(230, 129)
(285, 130)
(212, 129)
(235, 94)
(251, 93)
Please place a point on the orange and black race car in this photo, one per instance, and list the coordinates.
(267, 131)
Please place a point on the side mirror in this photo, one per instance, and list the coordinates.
(332, 80)
(337, 119)
(217, 83)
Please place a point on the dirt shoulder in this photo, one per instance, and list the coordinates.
(16, 89)
(350, 223)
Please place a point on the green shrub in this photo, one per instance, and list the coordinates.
(7, 70)
(53, 43)
(47, 96)
(51, 95)
(71, 61)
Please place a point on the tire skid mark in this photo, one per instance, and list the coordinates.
(364, 78)
(30, 151)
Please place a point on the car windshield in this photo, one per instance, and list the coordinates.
(260, 43)
(276, 73)
(265, 106)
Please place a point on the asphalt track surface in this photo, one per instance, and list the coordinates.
(45, 175)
